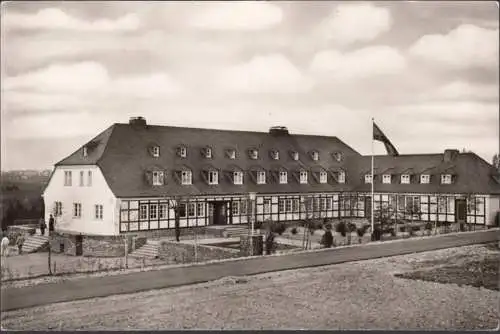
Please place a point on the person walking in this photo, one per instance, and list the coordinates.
(51, 224)
(20, 242)
(43, 226)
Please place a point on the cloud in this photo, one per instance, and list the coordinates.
(236, 16)
(54, 18)
(362, 63)
(467, 46)
(465, 90)
(272, 73)
(356, 22)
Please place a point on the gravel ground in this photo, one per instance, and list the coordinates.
(360, 295)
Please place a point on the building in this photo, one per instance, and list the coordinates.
(130, 177)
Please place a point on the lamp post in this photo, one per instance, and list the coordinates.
(252, 196)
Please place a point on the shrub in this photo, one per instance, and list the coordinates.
(361, 232)
(327, 226)
(278, 228)
(377, 233)
(341, 228)
(294, 231)
(351, 227)
(270, 244)
(258, 225)
(327, 239)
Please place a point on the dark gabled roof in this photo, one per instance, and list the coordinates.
(123, 157)
(472, 174)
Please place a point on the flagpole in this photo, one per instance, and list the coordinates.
(373, 199)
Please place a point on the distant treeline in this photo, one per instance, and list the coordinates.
(21, 200)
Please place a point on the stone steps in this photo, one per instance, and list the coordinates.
(149, 250)
(234, 231)
(35, 243)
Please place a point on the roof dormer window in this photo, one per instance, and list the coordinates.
(425, 178)
(238, 177)
(231, 154)
(323, 177)
(158, 178)
(85, 153)
(405, 179)
(315, 155)
(254, 154)
(261, 177)
(338, 156)
(186, 177)
(182, 151)
(368, 178)
(445, 178)
(283, 177)
(155, 151)
(213, 177)
(295, 156)
(303, 177)
(341, 177)
(386, 178)
(207, 151)
(275, 154)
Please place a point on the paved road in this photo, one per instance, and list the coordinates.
(16, 298)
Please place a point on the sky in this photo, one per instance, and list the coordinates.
(427, 72)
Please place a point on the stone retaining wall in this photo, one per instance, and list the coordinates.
(185, 253)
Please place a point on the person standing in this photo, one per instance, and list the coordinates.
(43, 226)
(20, 242)
(51, 224)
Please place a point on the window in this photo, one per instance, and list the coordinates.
(85, 153)
(341, 177)
(186, 177)
(405, 179)
(81, 178)
(322, 177)
(191, 209)
(235, 206)
(58, 209)
(67, 178)
(275, 155)
(77, 210)
(238, 178)
(425, 178)
(182, 152)
(267, 205)
(303, 176)
(337, 156)
(157, 178)
(281, 205)
(156, 151)
(254, 154)
(295, 205)
(98, 211)
(283, 177)
(243, 207)
(200, 209)
(162, 213)
(445, 179)
(208, 153)
(288, 205)
(315, 156)
(386, 178)
(153, 211)
(231, 154)
(295, 155)
(323, 204)
(213, 177)
(261, 177)
(368, 178)
(328, 203)
(89, 179)
(182, 210)
(143, 212)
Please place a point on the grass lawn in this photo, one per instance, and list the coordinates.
(358, 295)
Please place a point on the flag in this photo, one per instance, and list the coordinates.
(379, 135)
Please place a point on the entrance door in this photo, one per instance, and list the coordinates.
(220, 213)
(460, 211)
(368, 207)
(79, 245)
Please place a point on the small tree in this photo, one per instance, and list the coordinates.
(412, 209)
(327, 238)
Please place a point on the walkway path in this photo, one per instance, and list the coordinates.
(16, 298)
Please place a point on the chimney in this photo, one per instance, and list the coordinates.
(278, 131)
(137, 121)
(450, 155)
